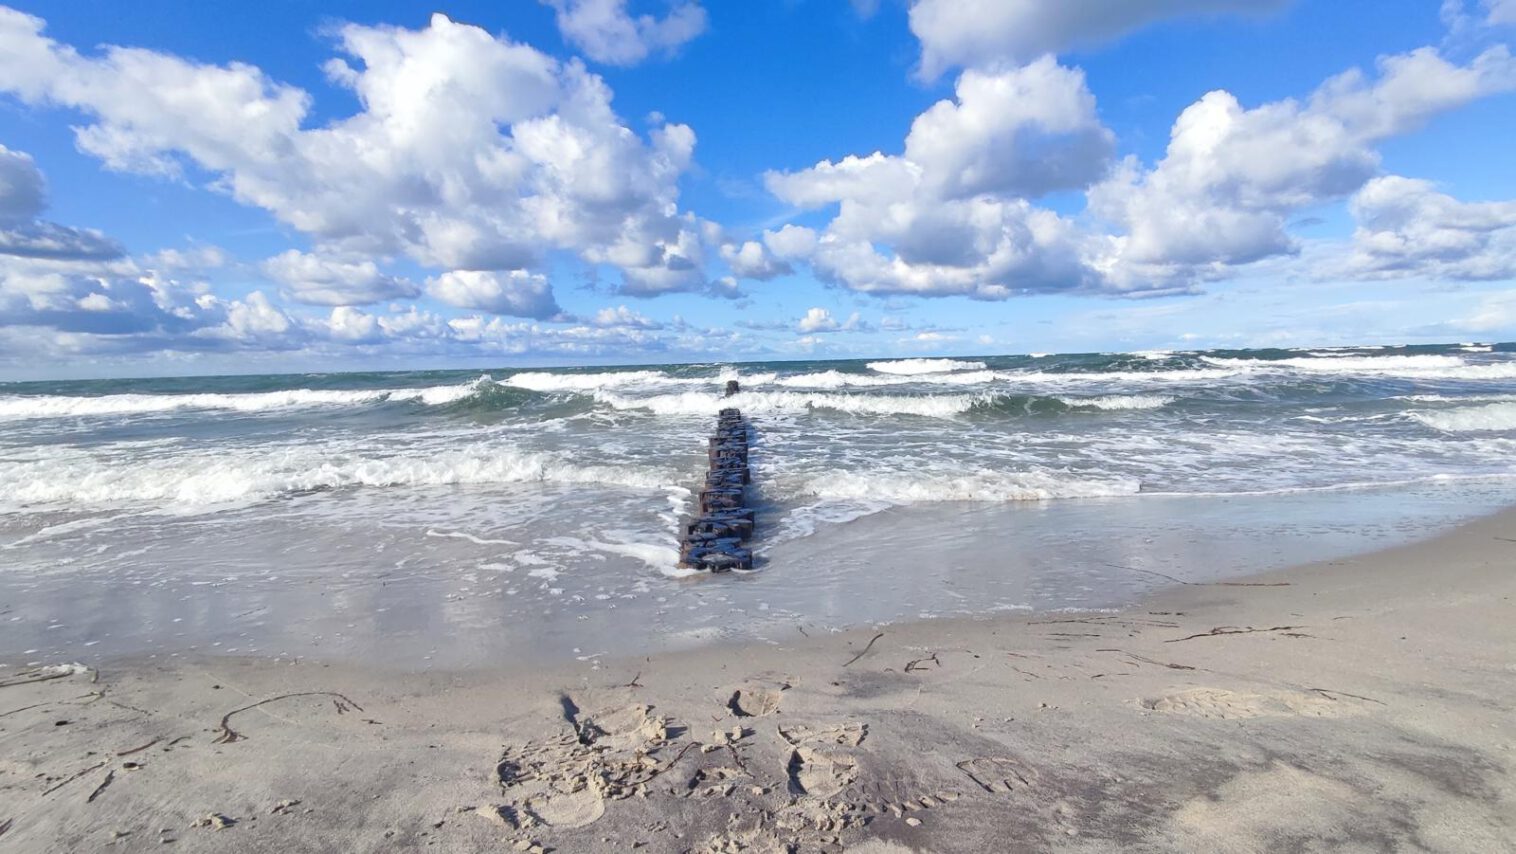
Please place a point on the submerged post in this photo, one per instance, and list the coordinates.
(715, 540)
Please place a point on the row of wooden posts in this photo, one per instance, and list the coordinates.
(716, 539)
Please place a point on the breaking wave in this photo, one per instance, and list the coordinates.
(544, 381)
(704, 403)
(204, 479)
(1471, 419)
(1119, 402)
(839, 379)
(911, 367)
(1416, 367)
(54, 406)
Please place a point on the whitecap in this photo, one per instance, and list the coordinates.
(925, 366)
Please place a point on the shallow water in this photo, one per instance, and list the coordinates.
(444, 519)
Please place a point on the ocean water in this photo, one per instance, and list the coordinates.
(452, 518)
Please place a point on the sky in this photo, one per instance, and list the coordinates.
(294, 186)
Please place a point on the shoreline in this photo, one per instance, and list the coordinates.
(466, 605)
(1360, 703)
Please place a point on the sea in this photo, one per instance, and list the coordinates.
(454, 519)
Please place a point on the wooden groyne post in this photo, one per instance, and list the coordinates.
(716, 539)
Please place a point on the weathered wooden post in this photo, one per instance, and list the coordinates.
(715, 540)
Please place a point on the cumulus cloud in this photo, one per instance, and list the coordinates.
(791, 241)
(951, 215)
(1232, 176)
(23, 198)
(1026, 131)
(322, 280)
(1023, 132)
(821, 320)
(817, 320)
(753, 260)
(533, 159)
(23, 194)
(516, 293)
(625, 317)
(996, 32)
(1407, 228)
(607, 33)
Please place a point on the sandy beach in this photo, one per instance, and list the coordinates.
(1358, 705)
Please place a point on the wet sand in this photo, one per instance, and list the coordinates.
(1359, 705)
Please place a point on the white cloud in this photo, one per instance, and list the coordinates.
(322, 280)
(517, 292)
(533, 158)
(821, 320)
(751, 260)
(252, 319)
(992, 32)
(607, 33)
(23, 194)
(179, 260)
(1407, 228)
(1232, 177)
(791, 241)
(623, 316)
(1462, 15)
(23, 198)
(818, 320)
(1023, 132)
(950, 216)
(353, 325)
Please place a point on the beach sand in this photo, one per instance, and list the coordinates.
(1360, 705)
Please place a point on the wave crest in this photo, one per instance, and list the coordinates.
(703, 403)
(910, 367)
(1471, 419)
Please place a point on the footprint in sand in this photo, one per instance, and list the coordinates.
(850, 734)
(821, 771)
(756, 700)
(818, 765)
(898, 794)
(564, 782)
(999, 774)
(1233, 705)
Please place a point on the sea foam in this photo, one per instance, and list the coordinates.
(924, 366)
(186, 481)
(1471, 419)
(57, 406)
(703, 403)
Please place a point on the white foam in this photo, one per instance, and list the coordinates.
(58, 406)
(1182, 375)
(464, 535)
(201, 479)
(925, 366)
(968, 485)
(1471, 419)
(1416, 367)
(1120, 402)
(543, 381)
(837, 379)
(703, 403)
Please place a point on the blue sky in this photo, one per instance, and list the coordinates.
(190, 188)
